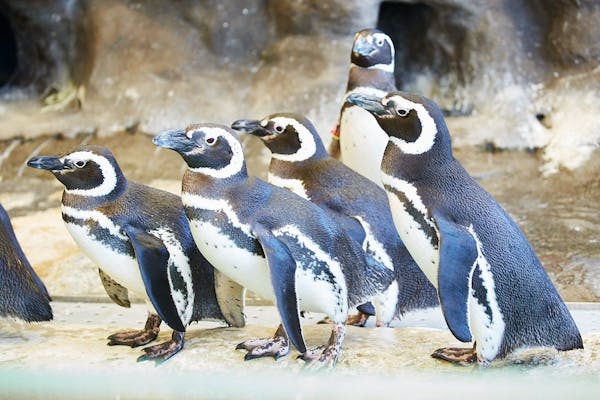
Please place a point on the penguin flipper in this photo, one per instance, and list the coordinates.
(458, 255)
(231, 299)
(117, 293)
(282, 268)
(153, 260)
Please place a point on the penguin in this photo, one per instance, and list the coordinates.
(22, 293)
(492, 287)
(357, 139)
(300, 163)
(271, 241)
(141, 241)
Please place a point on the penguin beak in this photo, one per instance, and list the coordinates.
(370, 103)
(363, 48)
(174, 140)
(47, 163)
(253, 127)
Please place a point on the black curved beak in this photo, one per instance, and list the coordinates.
(370, 103)
(363, 47)
(253, 127)
(48, 163)
(174, 139)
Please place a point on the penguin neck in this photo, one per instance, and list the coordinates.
(290, 169)
(80, 201)
(371, 78)
(210, 186)
(414, 167)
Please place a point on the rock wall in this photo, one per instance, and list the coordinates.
(509, 73)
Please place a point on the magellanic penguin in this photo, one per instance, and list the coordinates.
(141, 241)
(271, 241)
(491, 285)
(300, 163)
(358, 138)
(22, 293)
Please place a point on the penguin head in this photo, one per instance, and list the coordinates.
(211, 149)
(90, 171)
(413, 123)
(373, 49)
(290, 137)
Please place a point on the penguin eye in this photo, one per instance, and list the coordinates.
(80, 164)
(379, 42)
(278, 128)
(210, 140)
(403, 112)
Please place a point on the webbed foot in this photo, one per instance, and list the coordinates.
(325, 356)
(276, 346)
(135, 338)
(163, 351)
(456, 355)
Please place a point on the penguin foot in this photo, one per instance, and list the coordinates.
(276, 346)
(163, 351)
(136, 338)
(325, 356)
(359, 319)
(456, 355)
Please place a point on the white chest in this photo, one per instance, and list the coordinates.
(294, 185)
(362, 142)
(239, 264)
(414, 234)
(121, 267)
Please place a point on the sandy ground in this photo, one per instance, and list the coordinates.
(69, 358)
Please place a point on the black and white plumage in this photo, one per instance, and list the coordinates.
(300, 163)
(140, 239)
(358, 139)
(22, 293)
(271, 241)
(492, 287)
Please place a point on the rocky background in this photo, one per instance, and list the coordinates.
(510, 74)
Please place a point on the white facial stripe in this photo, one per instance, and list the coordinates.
(109, 175)
(308, 146)
(294, 185)
(206, 203)
(96, 216)
(237, 158)
(373, 247)
(488, 333)
(428, 127)
(183, 303)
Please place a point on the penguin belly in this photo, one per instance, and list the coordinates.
(416, 241)
(246, 268)
(122, 268)
(362, 142)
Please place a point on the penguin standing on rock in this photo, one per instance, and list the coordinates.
(491, 285)
(300, 163)
(271, 241)
(22, 293)
(140, 239)
(358, 141)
